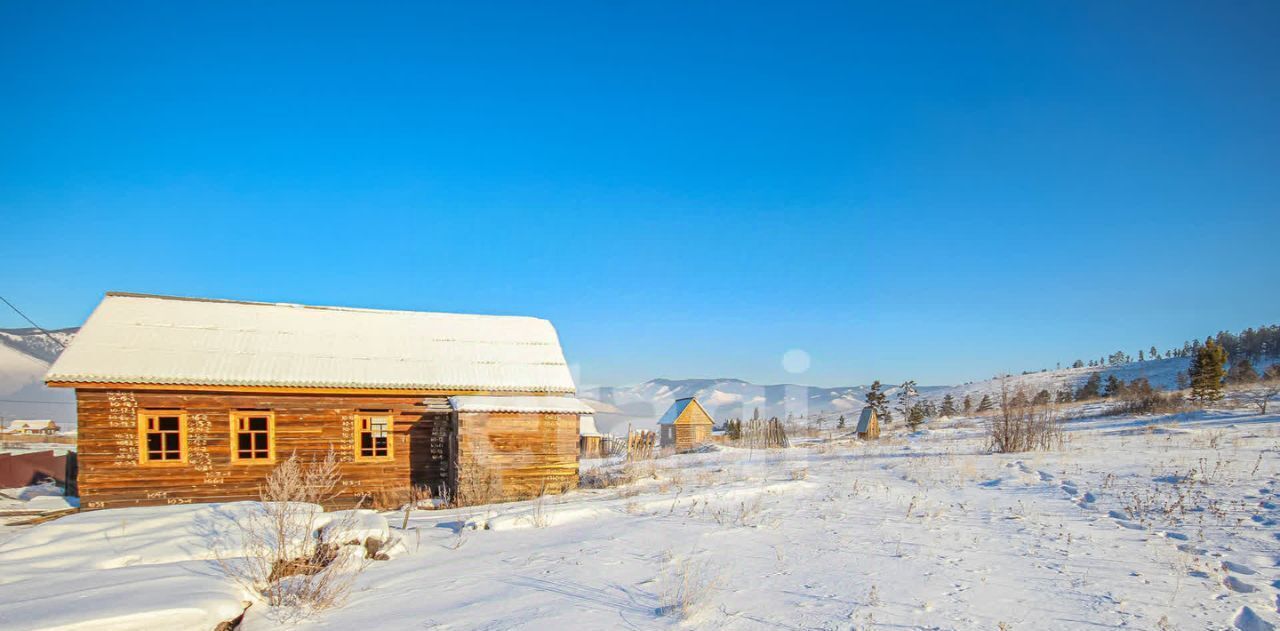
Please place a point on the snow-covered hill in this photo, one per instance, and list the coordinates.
(25, 355)
(641, 405)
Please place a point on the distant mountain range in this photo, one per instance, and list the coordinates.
(25, 355)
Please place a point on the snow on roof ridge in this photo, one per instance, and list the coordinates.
(297, 305)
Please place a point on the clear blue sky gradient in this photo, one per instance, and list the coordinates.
(936, 191)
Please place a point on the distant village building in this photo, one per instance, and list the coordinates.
(183, 400)
(685, 425)
(589, 438)
(46, 427)
(868, 424)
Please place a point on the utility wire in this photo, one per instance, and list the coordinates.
(32, 322)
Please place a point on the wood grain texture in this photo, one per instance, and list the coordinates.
(531, 453)
(307, 424)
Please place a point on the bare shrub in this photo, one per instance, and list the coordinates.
(687, 586)
(1261, 396)
(477, 484)
(291, 552)
(1022, 425)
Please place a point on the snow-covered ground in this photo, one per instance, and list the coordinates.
(1144, 522)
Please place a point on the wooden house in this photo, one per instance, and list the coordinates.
(190, 400)
(868, 424)
(590, 440)
(29, 427)
(685, 425)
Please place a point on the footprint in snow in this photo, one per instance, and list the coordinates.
(1238, 568)
(1168, 534)
(1236, 585)
(1045, 476)
(1190, 549)
(994, 482)
(1068, 489)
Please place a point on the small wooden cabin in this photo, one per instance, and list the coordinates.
(868, 424)
(590, 440)
(41, 427)
(185, 400)
(685, 425)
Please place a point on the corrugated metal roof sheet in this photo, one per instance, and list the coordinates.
(864, 420)
(529, 405)
(674, 411)
(133, 338)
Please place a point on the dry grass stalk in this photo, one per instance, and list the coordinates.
(687, 587)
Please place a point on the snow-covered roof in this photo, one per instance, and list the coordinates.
(528, 405)
(133, 338)
(587, 425)
(32, 425)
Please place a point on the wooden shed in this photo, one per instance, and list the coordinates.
(685, 425)
(185, 400)
(590, 440)
(868, 424)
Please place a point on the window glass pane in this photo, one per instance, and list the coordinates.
(260, 441)
(171, 442)
(244, 441)
(258, 424)
(366, 441)
(168, 423)
(153, 442)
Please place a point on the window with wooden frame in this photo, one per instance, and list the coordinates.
(373, 436)
(253, 437)
(162, 437)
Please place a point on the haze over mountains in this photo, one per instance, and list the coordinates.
(25, 355)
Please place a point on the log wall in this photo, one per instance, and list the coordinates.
(530, 453)
(310, 424)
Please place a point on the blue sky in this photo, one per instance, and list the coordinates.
(937, 191)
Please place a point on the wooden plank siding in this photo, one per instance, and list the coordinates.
(531, 453)
(692, 427)
(309, 424)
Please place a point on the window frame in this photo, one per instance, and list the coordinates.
(360, 418)
(235, 417)
(184, 450)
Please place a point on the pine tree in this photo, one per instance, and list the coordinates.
(1181, 378)
(1206, 372)
(968, 403)
(1141, 357)
(985, 404)
(1079, 363)
(948, 406)
(1114, 387)
(1065, 395)
(1042, 398)
(840, 422)
(906, 397)
(915, 417)
(1153, 353)
(877, 401)
(1242, 372)
(1091, 389)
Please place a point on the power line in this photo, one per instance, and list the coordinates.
(33, 323)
